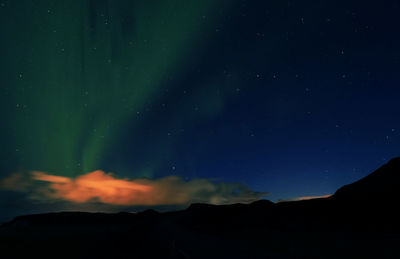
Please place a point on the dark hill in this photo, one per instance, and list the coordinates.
(381, 185)
(360, 220)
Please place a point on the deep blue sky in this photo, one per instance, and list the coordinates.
(313, 99)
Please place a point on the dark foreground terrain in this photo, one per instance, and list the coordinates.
(360, 220)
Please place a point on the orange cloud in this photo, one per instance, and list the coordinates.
(99, 186)
(15, 182)
(311, 197)
(49, 178)
(96, 185)
(303, 198)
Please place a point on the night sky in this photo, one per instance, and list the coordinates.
(210, 101)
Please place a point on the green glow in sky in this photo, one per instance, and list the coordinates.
(85, 68)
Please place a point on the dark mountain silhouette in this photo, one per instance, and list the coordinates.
(382, 184)
(360, 220)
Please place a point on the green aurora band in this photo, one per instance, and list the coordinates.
(77, 71)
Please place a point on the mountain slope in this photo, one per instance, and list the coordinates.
(359, 221)
(381, 185)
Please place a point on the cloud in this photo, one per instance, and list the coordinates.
(106, 188)
(312, 197)
(307, 198)
(15, 182)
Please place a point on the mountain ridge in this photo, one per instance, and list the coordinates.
(381, 184)
(358, 221)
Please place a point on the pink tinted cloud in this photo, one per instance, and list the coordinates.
(312, 197)
(106, 188)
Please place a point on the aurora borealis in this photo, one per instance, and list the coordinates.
(291, 98)
(90, 67)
